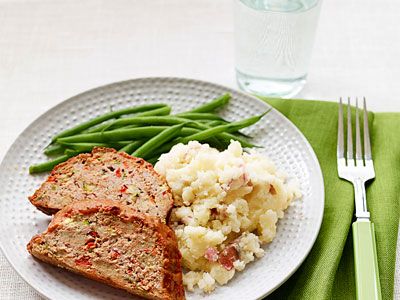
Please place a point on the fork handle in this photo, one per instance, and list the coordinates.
(365, 260)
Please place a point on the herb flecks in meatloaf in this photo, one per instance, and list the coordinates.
(110, 242)
(105, 174)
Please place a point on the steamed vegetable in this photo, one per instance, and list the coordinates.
(80, 127)
(147, 131)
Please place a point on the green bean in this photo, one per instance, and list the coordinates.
(122, 127)
(72, 153)
(87, 147)
(80, 127)
(167, 146)
(240, 134)
(158, 140)
(113, 135)
(162, 111)
(48, 165)
(215, 123)
(212, 105)
(236, 133)
(220, 141)
(153, 160)
(120, 135)
(84, 147)
(226, 137)
(215, 140)
(168, 120)
(164, 148)
(132, 146)
(130, 126)
(154, 112)
(98, 128)
(59, 149)
(77, 148)
(152, 120)
(234, 126)
(54, 149)
(212, 140)
(200, 116)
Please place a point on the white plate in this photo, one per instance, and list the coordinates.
(283, 142)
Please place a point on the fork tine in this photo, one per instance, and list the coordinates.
(340, 139)
(367, 143)
(358, 136)
(349, 135)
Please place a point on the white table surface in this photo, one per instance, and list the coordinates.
(51, 50)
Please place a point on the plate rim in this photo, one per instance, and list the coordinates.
(320, 178)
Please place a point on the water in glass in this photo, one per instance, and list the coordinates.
(273, 43)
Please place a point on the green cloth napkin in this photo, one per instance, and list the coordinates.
(328, 271)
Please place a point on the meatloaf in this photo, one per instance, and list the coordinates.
(105, 174)
(109, 242)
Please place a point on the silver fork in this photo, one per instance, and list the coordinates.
(358, 169)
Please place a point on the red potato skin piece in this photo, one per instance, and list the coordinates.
(228, 256)
(211, 254)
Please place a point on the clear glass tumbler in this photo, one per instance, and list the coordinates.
(273, 44)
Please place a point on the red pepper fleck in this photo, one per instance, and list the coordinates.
(52, 179)
(129, 271)
(118, 172)
(90, 245)
(68, 214)
(93, 234)
(154, 251)
(123, 189)
(83, 261)
(228, 256)
(115, 254)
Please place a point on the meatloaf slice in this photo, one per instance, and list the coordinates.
(105, 174)
(109, 242)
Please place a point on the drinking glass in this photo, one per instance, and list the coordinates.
(273, 44)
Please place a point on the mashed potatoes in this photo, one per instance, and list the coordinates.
(227, 205)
